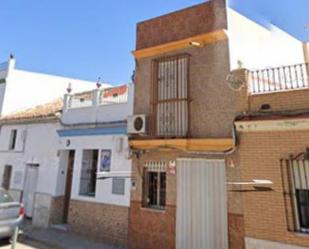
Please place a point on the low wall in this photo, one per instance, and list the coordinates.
(100, 222)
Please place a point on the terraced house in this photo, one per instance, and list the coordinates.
(273, 146)
(187, 168)
(94, 151)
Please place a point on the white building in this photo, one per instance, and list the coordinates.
(29, 161)
(20, 89)
(94, 146)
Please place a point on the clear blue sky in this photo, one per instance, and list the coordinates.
(87, 39)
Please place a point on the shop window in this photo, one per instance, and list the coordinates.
(89, 173)
(154, 185)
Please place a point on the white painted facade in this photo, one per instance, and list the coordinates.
(98, 112)
(32, 148)
(257, 47)
(23, 89)
(119, 162)
(99, 127)
(36, 145)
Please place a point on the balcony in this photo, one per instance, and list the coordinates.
(98, 106)
(278, 79)
(270, 90)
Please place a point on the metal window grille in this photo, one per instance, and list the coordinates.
(171, 96)
(295, 179)
(154, 185)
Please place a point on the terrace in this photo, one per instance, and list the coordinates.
(284, 78)
(278, 89)
(98, 106)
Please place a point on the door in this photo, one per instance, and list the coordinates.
(68, 185)
(30, 185)
(201, 216)
(7, 177)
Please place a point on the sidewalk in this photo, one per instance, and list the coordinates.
(57, 239)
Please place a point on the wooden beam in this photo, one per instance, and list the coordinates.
(208, 144)
(181, 44)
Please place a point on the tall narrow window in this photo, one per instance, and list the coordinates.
(154, 185)
(296, 188)
(170, 94)
(300, 171)
(13, 137)
(89, 173)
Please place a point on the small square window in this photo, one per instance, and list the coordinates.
(154, 185)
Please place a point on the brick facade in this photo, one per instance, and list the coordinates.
(56, 210)
(152, 229)
(236, 231)
(212, 111)
(189, 22)
(264, 211)
(157, 229)
(282, 101)
(212, 105)
(101, 222)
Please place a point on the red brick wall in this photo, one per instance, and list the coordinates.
(152, 229)
(157, 229)
(264, 212)
(236, 231)
(100, 222)
(290, 100)
(281, 101)
(196, 20)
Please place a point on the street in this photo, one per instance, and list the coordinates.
(26, 244)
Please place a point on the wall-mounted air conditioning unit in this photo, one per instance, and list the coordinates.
(137, 124)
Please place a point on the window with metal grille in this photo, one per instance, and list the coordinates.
(154, 185)
(295, 176)
(170, 95)
(88, 176)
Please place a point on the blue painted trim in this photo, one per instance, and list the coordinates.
(92, 131)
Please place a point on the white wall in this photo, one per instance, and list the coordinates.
(100, 113)
(257, 47)
(119, 162)
(41, 144)
(27, 89)
(2, 92)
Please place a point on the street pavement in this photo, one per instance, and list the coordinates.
(5, 244)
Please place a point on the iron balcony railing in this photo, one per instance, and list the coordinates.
(279, 78)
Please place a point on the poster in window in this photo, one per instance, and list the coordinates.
(105, 163)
